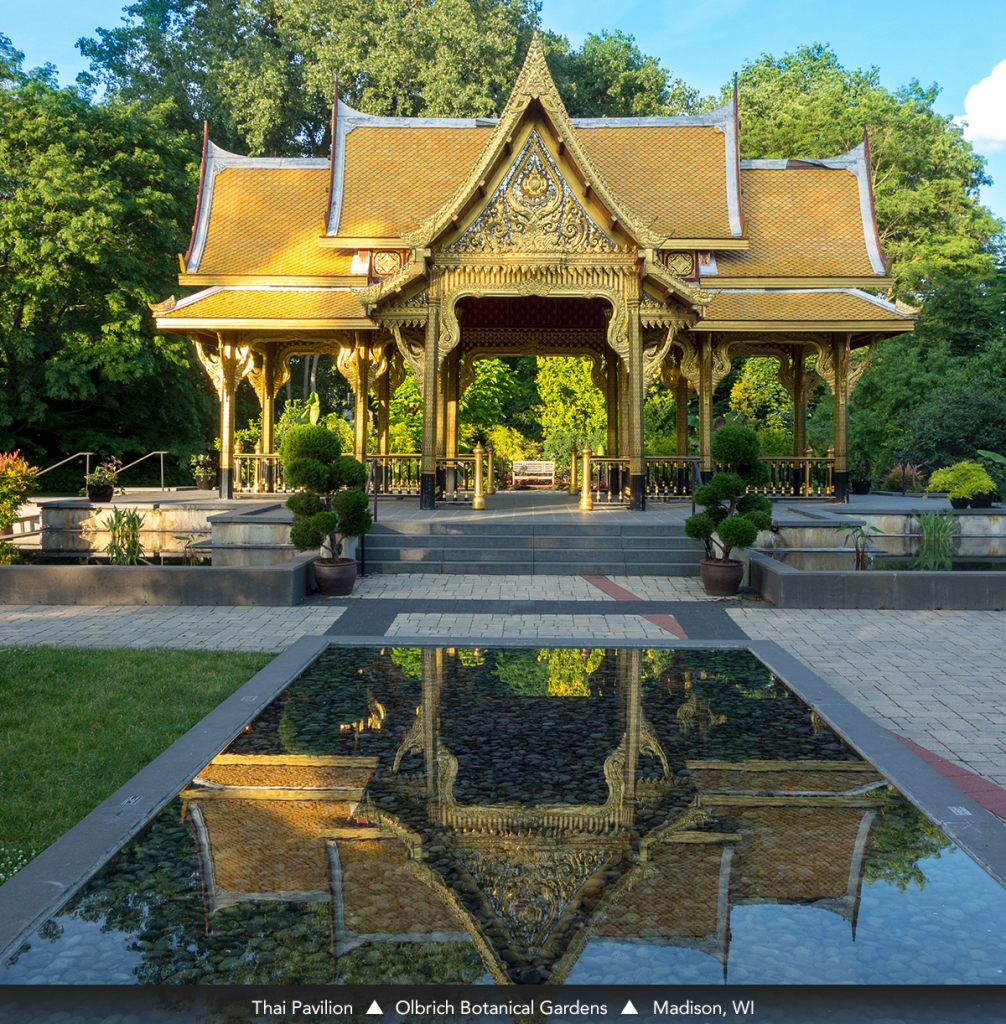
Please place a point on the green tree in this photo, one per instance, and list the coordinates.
(97, 202)
(959, 338)
(926, 177)
(570, 401)
(261, 71)
(609, 76)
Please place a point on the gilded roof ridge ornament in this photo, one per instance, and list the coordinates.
(534, 83)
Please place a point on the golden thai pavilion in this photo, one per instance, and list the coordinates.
(645, 244)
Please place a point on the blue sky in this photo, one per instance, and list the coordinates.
(705, 42)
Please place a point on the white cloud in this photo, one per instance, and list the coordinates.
(985, 110)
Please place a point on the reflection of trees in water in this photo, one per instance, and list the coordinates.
(152, 892)
(411, 963)
(903, 837)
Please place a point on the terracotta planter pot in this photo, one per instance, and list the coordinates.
(206, 481)
(721, 578)
(335, 576)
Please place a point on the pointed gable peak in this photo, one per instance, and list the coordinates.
(535, 97)
(533, 83)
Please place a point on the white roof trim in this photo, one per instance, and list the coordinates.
(218, 160)
(719, 117)
(855, 163)
(198, 297)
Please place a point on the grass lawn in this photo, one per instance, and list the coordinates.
(76, 723)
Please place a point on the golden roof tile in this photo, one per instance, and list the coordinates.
(267, 221)
(674, 178)
(395, 177)
(802, 222)
(269, 304)
(812, 305)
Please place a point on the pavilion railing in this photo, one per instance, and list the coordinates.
(258, 474)
(805, 477)
(395, 474)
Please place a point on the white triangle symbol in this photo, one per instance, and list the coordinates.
(629, 1008)
(374, 1008)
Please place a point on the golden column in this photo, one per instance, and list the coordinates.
(226, 368)
(611, 409)
(705, 383)
(428, 466)
(799, 402)
(361, 391)
(637, 396)
(383, 388)
(841, 344)
(451, 424)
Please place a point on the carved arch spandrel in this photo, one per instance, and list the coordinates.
(225, 373)
(362, 365)
(690, 362)
(656, 346)
(411, 343)
(855, 369)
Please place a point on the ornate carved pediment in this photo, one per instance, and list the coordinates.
(533, 210)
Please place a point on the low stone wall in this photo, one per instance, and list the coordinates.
(280, 586)
(787, 587)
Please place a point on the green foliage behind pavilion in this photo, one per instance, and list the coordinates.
(81, 366)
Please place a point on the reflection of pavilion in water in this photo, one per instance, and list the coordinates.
(530, 826)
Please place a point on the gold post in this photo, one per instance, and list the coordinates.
(571, 490)
(478, 502)
(808, 454)
(490, 471)
(586, 502)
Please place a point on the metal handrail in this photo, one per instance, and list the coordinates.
(143, 459)
(87, 463)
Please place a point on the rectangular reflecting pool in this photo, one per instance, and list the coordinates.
(529, 816)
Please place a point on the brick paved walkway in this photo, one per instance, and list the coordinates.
(236, 629)
(937, 678)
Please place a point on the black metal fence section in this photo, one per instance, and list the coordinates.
(804, 477)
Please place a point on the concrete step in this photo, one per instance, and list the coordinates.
(392, 542)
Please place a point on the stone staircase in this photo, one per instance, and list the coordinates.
(554, 549)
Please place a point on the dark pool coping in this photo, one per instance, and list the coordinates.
(39, 889)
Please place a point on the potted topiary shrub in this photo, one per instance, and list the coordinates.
(331, 505)
(963, 481)
(731, 518)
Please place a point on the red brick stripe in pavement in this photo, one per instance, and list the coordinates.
(982, 791)
(668, 622)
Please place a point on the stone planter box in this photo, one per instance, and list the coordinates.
(281, 586)
(787, 587)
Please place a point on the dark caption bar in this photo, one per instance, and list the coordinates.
(390, 1004)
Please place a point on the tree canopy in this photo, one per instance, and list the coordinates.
(926, 177)
(262, 71)
(97, 200)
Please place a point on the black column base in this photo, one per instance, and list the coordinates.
(226, 483)
(841, 487)
(427, 491)
(637, 492)
(441, 480)
(705, 475)
(614, 481)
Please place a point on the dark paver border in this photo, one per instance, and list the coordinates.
(39, 889)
